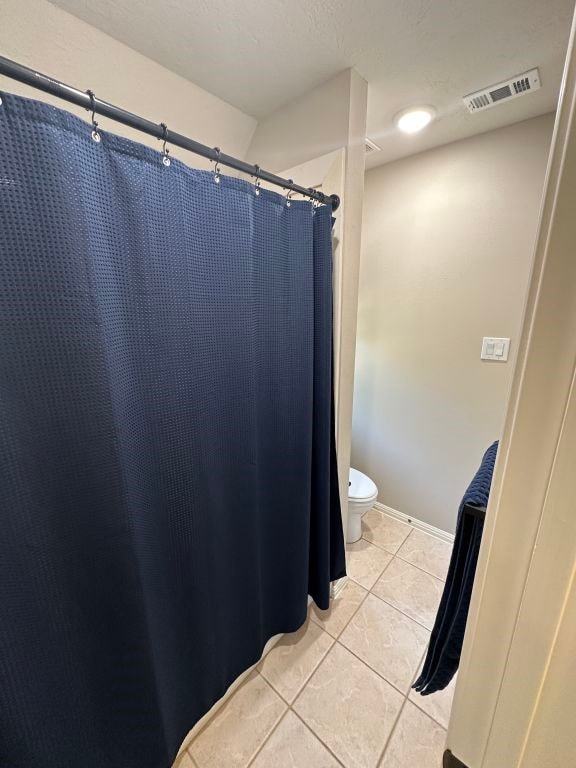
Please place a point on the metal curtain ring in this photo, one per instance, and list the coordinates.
(217, 165)
(165, 150)
(257, 177)
(289, 194)
(95, 132)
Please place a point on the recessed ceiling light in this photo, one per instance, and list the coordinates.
(413, 120)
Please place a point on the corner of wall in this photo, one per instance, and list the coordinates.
(314, 124)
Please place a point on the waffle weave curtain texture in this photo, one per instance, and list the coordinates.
(168, 489)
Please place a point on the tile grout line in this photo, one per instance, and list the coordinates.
(412, 529)
(420, 568)
(405, 695)
(434, 719)
(367, 592)
(371, 592)
(404, 540)
(335, 639)
(318, 737)
(301, 691)
(267, 738)
(381, 546)
(406, 615)
(368, 589)
(399, 715)
(180, 759)
(392, 556)
(389, 739)
(290, 708)
(316, 668)
(284, 700)
(420, 665)
(274, 727)
(380, 675)
(383, 600)
(399, 556)
(307, 679)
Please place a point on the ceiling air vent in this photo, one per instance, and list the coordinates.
(509, 89)
(371, 146)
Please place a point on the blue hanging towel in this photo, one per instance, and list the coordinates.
(443, 656)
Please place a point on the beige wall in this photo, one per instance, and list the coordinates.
(306, 128)
(448, 238)
(36, 33)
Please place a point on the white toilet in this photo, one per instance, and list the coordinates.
(362, 494)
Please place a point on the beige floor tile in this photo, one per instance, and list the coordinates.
(411, 590)
(438, 705)
(341, 610)
(184, 761)
(365, 562)
(384, 531)
(417, 741)
(350, 708)
(240, 727)
(293, 745)
(427, 552)
(293, 659)
(391, 643)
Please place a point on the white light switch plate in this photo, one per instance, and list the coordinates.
(495, 349)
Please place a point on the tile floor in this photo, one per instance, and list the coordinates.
(337, 692)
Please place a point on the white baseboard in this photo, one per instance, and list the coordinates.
(420, 524)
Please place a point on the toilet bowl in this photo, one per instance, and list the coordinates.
(362, 494)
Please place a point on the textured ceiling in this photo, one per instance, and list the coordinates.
(259, 55)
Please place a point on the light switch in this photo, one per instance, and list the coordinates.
(495, 349)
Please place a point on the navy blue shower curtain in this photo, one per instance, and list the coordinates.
(168, 490)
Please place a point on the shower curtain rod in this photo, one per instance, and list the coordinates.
(90, 102)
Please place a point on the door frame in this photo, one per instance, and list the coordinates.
(528, 555)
